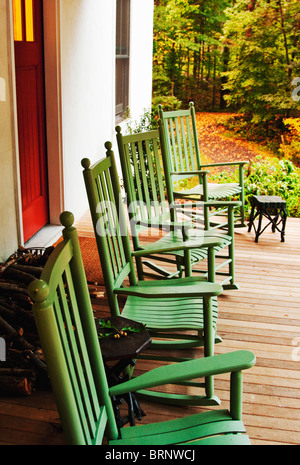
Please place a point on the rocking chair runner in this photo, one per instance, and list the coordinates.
(147, 208)
(67, 330)
(170, 309)
(181, 154)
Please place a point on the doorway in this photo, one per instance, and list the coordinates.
(30, 84)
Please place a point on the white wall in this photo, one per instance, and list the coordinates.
(88, 82)
(141, 49)
(87, 74)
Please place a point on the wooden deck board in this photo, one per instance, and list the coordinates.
(262, 316)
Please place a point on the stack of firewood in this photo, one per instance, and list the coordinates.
(24, 368)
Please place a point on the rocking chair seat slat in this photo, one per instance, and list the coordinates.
(169, 313)
(224, 440)
(180, 424)
(169, 316)
(215, 191)
(173, 242)
(182, 432)
(190, 289)
(196, 254)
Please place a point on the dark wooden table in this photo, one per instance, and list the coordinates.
(122, 349)
(271, 207)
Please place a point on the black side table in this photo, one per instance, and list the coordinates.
(123, 350)
(271, 207)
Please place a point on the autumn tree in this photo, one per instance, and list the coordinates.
(263, 38)
(187, 50)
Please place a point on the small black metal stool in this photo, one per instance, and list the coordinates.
(271, 207)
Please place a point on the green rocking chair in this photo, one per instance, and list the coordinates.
(70, 344)
(181, 154)
(143, 178)
(179, 313)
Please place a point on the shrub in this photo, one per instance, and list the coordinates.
(270, 177)
(291, 147)
(146, 122)
(169, 103)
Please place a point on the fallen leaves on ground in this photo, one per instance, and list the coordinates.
(216, 146)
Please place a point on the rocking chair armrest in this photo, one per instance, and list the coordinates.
(209, 203)
(208, 366)
(168, 225)
(201, 172)
(197, 287)
(225, 163)
(175, 281)
(197, 243)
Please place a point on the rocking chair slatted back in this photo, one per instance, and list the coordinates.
(182, 160)
(110, 224)
(70, 345)
(143, 177)
(182, 143)
(148, 209)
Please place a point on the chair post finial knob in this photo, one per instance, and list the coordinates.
(66, 219)
(108, 145)
(38, 290)
(86, 163)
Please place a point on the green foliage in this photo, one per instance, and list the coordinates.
(264, 57)
(169, 103)
(245, 51)
(187, 50)
(270, 177)
(290, 147)
(147, 121)
(106, 329)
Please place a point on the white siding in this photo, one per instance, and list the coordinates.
(88, 82)
(141, 42)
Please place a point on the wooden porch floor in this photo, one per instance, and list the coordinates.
(262, 316)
